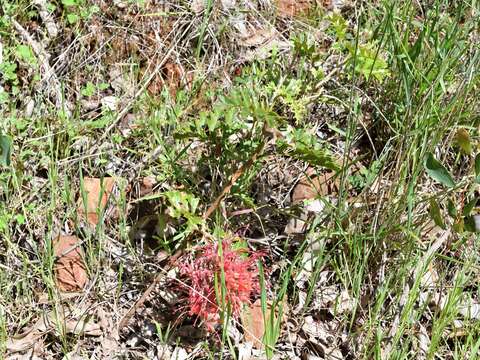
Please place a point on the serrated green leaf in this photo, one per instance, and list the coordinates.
(462, 138)
(437, 171)
(5, 150)
(88, 90)
(436, 214)
(317, 157)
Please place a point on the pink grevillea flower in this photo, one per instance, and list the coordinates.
(204, 273)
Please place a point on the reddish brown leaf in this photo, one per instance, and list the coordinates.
(290, 8)
(95, 198)
(146, 185)
(70, 272)
(252, 321)
(311, 186)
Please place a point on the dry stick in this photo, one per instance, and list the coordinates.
(139, 303)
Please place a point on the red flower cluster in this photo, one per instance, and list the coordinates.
(204, 281)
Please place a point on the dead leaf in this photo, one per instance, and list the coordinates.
(306, 191)
(146, 185)
(197, 6)
(291, 8)
(253, 321)
(96, 197)
(423, 342)
(70, 272)
(311, 186)
(256, 37)
(173, 74)
(321, 339)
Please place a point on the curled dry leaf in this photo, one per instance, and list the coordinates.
(170, 76)
(146, 185)
(70, 272)
(96, 197)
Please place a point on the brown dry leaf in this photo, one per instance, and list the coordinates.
(311, 186)
(308, 188)
(254, 326)
(70, 272)
(292, 8)
(96, 196)
(171, 76)
(146, 185)
(253, 322)
(257, 37)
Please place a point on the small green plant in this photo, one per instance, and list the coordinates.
(77, 10)
(88, 90)
(25, 53)
(184, 206)
(462, 212)
(300, 143)
(368, 61)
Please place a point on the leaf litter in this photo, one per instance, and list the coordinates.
(70, 270)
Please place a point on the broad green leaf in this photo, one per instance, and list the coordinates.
(462, 138)
(436, 214)
(477, 169)
(437, 171)
(452, 209)
(5, 150)
(459, 225)
(471, 223)
(467, 209)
